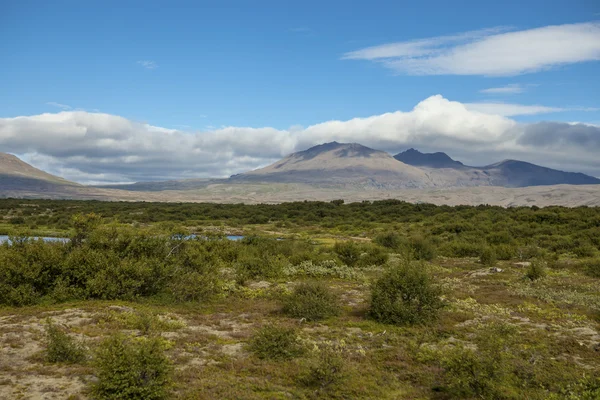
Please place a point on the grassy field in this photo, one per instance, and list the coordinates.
(209, 318)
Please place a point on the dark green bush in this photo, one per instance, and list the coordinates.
(276, 343)
(461, 248)
(591, 267)
(484, 373)
(373, 255)
(391, 240)
(505, 251)
(405, 295)
(62, 348)
(132, 368)
(195, 286)
(536, 270)
(487, 256)
(265, 266)
(348, 252)
(312, 301)
(327, 368)
(421, 248)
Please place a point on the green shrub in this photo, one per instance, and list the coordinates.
(276, 343)
(405, 294)
(348, 252)
(129, 368)
(195, 286)
(584, 250)
(536, 270)
(421, 248)
(390, 240)
(62, 348)
(373, 256)
(591, 267)
(461, 248)
(505, 251)
(326, 369)
(484, 373)
(312, 301)
(265, 266)
(488, 257)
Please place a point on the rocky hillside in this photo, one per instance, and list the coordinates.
(341, 164)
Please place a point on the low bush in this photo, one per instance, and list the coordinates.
(373, 256)
(488, 256)
(405, 295)
(196, 286)
(255, 266)
(62, 348)
(327, 368)
(276, 343)
(312, 301)
(421, 248)
(492, 370)
(536, 270)
(591, 267)
(348, 252)
(390, 240)
(132, 368)
(461, 248)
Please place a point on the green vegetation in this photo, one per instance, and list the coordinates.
(62, 348)
(536, 270)
(312, 301)
(132, 368)
(276, 343)
(384, 300)
(404, 295)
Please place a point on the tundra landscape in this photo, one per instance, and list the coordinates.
(252, 200)
(381, 299)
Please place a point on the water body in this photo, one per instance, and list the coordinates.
(5, 238)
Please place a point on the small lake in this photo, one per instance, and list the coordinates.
(5, 238)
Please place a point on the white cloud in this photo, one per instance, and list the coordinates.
(490, 52)
(59, 105)
(512, 88)
(95, 147)
(148, 64)
(511, 110)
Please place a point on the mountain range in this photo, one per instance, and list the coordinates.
(321, 172)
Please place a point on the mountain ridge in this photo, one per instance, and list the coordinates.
(344, 167)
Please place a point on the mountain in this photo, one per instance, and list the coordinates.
(432, 160)
(507, 173)
(513, 173)
(17, 175)
(340, 165)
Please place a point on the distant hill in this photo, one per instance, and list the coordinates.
(513, 173)
(16, 174)
(340, 164)
(432, 160)
(507, 173)
(330, 171)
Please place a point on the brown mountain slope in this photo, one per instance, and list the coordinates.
(16, 174)
(340, 164)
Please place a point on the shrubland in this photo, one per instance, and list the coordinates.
(319, 300)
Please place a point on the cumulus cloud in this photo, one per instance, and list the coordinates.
(491, 52)
(95, 147)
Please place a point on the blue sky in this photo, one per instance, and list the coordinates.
(199, 66)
